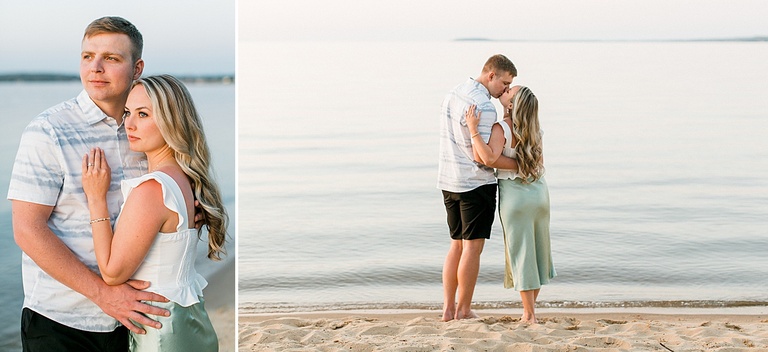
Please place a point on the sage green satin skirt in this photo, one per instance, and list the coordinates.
(188, 329)
(524, 215)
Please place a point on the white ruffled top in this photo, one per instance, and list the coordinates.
(508, 151)
(170, 263)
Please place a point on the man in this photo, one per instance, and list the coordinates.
(67, 306)
(469, 188)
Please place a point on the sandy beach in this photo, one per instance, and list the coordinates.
(220, 305)
(679, 330)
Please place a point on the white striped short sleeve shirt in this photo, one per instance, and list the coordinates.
(457, 169)
(48, 171)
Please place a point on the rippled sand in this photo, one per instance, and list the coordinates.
(423, 331)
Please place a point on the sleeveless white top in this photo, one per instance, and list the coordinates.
(170, 263)
(508, 151)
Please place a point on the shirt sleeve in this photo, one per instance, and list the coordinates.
(487, 118)
(38, 175)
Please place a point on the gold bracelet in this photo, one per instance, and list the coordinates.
(99, 220)
(475, 134)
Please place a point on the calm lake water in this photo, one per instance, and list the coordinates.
(656, 156)
(21, 102)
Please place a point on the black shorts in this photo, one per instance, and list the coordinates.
(39, 333)
(471, 213)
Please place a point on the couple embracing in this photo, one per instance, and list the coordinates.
(109, 192)
(472, 143)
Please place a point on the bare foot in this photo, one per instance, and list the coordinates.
(470, 315)
(528, 319)
(448, 314)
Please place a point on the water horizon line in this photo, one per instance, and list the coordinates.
(41, 76)
(757, 38)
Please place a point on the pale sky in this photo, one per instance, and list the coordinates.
(198, 37)
(280, 20)
(180, 37)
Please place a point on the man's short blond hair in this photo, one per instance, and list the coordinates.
(498, 63)
(114, 24)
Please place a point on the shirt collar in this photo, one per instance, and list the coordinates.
(480, 87)
(91, 112)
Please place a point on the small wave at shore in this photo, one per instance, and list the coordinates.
(284, 307)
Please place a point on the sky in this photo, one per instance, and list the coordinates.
(199, 37)
(430, 20)
(180, 37)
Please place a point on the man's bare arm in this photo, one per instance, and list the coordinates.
(31, 233)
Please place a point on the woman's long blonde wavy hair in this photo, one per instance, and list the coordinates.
(181, 127)
(527, 131)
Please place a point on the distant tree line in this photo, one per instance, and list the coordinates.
(56, 77)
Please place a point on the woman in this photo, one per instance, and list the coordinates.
(523, 194)
(154, 237)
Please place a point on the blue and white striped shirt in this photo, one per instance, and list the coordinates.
(457, 169)
(48, 171)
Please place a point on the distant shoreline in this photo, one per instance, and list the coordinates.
(57, 77)
(744, 39)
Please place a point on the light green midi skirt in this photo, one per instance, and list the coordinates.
(524, 215)
(188, 329)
